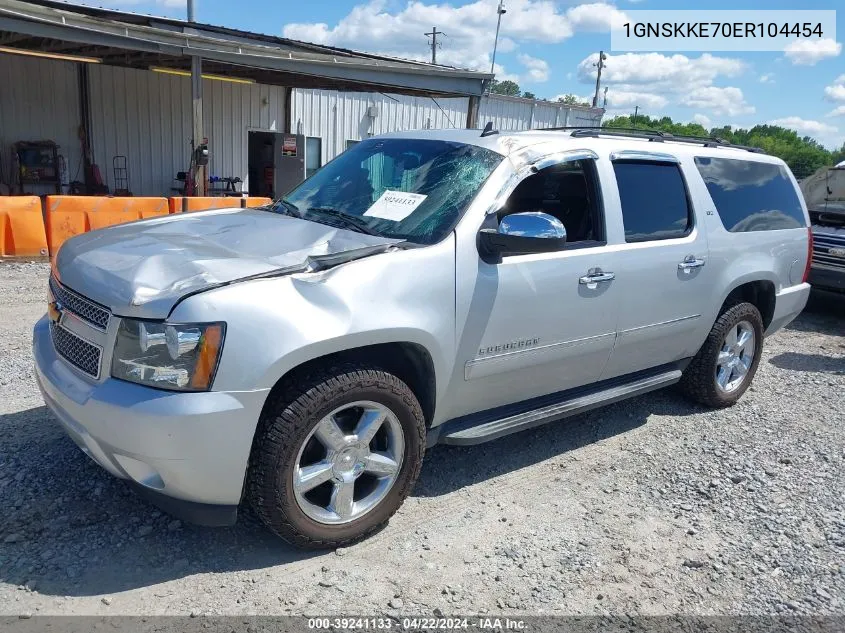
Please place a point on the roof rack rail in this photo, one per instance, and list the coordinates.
(657, 136)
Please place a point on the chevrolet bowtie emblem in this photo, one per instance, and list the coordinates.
(54, 311)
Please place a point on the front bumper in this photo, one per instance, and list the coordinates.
(828, 279)
(187, 452)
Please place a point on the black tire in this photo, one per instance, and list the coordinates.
(286, 423)
(699, 378)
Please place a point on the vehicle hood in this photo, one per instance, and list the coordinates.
(143, 269)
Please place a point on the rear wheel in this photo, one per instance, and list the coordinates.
(725, 365)
(335, 456)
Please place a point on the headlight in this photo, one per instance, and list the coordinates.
(182, 357)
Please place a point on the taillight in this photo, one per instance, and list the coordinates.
(809, 255)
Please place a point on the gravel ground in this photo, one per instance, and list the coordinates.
(652, 506)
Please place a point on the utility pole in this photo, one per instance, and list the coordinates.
(600, 65)
(500, 11)
(636, 110)
(433, 35)
(196, 100)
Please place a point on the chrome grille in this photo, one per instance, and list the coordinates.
(85, 309)
(76, 351)
(822, 245)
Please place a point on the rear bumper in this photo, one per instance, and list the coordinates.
(788, 304)
(187, 452)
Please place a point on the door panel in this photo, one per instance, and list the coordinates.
(661, 305)
(662, 269)
(534, 329)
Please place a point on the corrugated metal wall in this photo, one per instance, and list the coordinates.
(146, 116)
(337, 117)
(510, 113)
(39, 100)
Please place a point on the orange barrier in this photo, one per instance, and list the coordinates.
(21, 227)
(188, 204)
(256, 202)
(67, 216)
(185, 205)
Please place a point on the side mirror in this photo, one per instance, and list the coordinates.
(523, 233)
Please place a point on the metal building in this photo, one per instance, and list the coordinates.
(104, 84)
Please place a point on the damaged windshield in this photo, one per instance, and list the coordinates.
(409, 189)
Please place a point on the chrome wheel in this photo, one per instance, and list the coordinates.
(348, 463)
(735, 357)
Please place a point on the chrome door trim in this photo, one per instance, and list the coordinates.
(669, 322)
(563, 157)
(690, 263)
(541, 162)
(477, 361)
(596, 278)
(637, 154)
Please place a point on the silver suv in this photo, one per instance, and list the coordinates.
(422, 288)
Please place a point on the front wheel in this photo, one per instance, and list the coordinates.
(335, 456)
(725, 365)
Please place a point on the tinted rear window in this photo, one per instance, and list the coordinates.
(751, 196)
(654, 200)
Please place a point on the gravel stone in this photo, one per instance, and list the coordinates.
(768, 538)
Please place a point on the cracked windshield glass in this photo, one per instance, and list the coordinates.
(399, 188)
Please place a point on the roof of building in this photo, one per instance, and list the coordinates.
(129, 39)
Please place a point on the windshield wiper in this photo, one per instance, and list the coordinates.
(347, 221)
(288, 208)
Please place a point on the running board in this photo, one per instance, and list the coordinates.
(465, 433)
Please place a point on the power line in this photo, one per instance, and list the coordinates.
(448, 118)
(433, 35)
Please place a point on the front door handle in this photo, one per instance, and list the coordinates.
(594, 277)
(690, 262)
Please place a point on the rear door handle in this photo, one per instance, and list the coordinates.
(690, 262)
(596, 277)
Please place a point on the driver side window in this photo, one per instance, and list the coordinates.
(569, 192)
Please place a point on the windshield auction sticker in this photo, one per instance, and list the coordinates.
(395, 205)
(723, 30)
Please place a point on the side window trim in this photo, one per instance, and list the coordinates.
(658, 158)
(552, 160)
(644, 156)
(541, 162)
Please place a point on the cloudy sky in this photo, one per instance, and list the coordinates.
(549, 47)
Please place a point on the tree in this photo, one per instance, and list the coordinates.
(804, 155)
(571, 99)
(529, 95)
(839, 155)
(506, 87)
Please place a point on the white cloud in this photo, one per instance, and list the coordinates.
(729, 100)
(537, 69)
(503, 75)
(702, 120)
(836, 91)
(661, 73)
(838, 111)
(377, 27)
(818, 130)
(581, 98)
(810, 52)
(767, 78)
(629, 99)
(654, 80)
